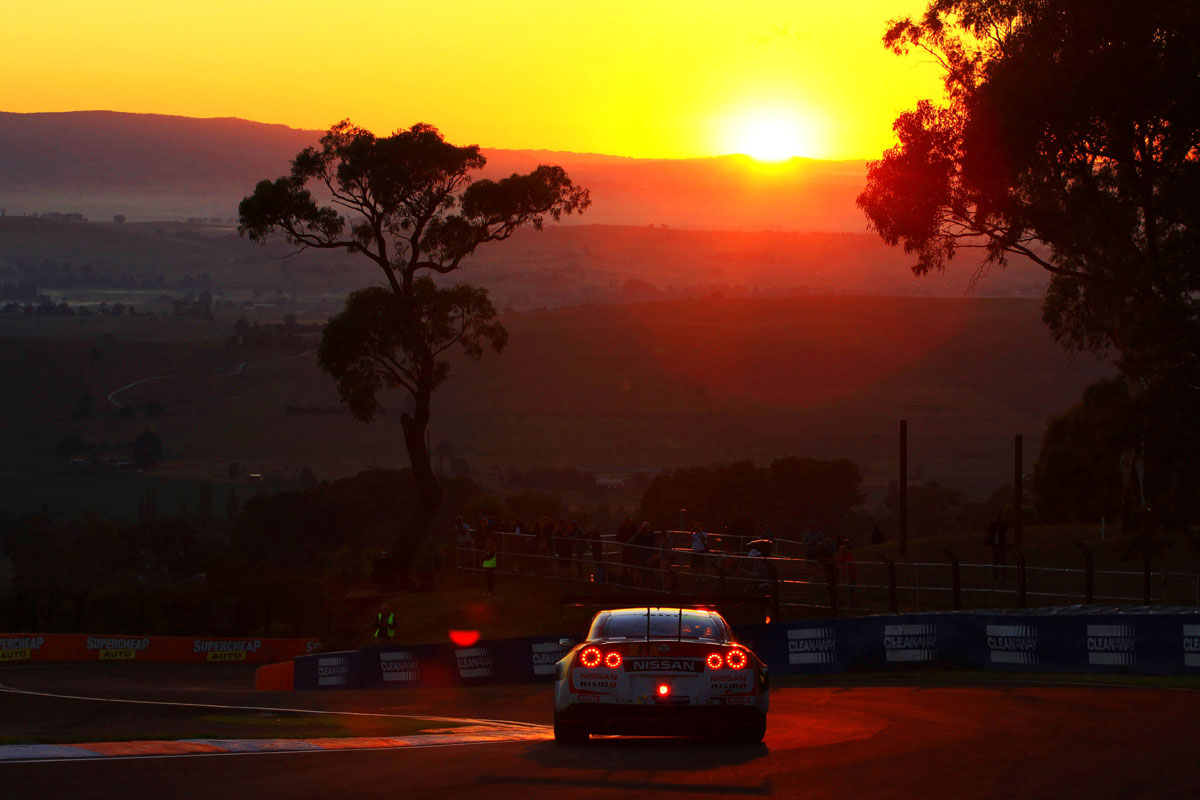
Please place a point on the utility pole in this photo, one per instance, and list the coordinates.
(903, 486)
(1017, 494)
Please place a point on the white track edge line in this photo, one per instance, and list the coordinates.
(97, 757)
(471, 720)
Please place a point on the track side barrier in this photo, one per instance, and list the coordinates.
(43, 647)
(1135, 641)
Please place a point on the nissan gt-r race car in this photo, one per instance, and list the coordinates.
(660, 671)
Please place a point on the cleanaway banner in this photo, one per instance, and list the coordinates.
(1144, 643)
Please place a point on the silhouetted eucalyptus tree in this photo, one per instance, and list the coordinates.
(408, 203)
(1069, 136)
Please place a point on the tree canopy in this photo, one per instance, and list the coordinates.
(1069, 136)
(407, 202)
(410, 204)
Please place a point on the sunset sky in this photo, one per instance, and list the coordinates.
(647, 79)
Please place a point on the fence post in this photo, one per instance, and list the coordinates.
(1020, 575)
(955, 582)
(1088, 578)
(891, 571)
(773, 572)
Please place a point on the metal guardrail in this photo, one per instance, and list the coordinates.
(825, 584)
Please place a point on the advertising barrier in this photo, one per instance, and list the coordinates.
(42, 647)
(1140, 641)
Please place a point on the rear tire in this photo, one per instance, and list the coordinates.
(569, 734)
(752, 734)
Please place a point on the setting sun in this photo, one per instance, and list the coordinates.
(770, 136)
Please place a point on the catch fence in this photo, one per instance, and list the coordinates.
(801, 585)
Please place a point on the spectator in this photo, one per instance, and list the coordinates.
(643, 542)
(997, 537)
(592, 536)
(877, 536)
(545, 543)
(490, 562)
(757, 565)
(578, 545)
(385, 624)
(699, 548)
(625, 535)
(562, 544)
(814, 542)
(849, 570)
(383, 572)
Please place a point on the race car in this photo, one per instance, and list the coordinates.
(660, 671)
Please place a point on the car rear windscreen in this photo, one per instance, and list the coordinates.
(690, 625)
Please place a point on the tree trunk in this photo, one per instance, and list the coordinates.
(429, 491)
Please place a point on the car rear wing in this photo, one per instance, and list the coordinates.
(644, 600)
(675, 601)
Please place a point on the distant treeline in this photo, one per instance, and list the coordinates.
(65, 275)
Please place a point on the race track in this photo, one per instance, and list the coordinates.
(984, 741)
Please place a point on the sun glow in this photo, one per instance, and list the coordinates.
(771, 136)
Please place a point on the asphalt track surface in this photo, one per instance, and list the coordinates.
(982, 741)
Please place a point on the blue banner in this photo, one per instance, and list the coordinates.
(1139, 643)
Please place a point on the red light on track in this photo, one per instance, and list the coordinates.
(590, 657)
(663, 690)
(714, 661)
(612, 660)
(736, 659)
(464, 638)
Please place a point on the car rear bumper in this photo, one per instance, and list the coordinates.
(665, 720)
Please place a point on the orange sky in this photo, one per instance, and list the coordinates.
(648, 79)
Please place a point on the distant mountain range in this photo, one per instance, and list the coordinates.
(150, 166)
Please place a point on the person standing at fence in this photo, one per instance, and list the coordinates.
(578, 545)
(562, 546)
(490, 561)
(699, 548)
(385, 624)
(814, 542)
(643, 542)
(625, 535)
(849, 570)
(997, 537)
(592, 536)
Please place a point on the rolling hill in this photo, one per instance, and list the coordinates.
(154, 167)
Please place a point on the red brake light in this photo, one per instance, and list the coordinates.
(663, 690)
(590, 657)
(612, 660)
(715, 661)
(736, 659)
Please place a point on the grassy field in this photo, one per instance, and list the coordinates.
(651, 385)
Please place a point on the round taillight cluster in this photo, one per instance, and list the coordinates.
(591, 657)
(734, 659)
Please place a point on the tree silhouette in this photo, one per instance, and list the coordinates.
(409, 204)
(1070, 137)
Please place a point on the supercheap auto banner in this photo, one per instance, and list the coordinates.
(42, 647)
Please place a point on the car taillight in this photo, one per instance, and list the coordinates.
(736, 659)
(612, 660)
(663, 690)
(715, 661)
(590, 657)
